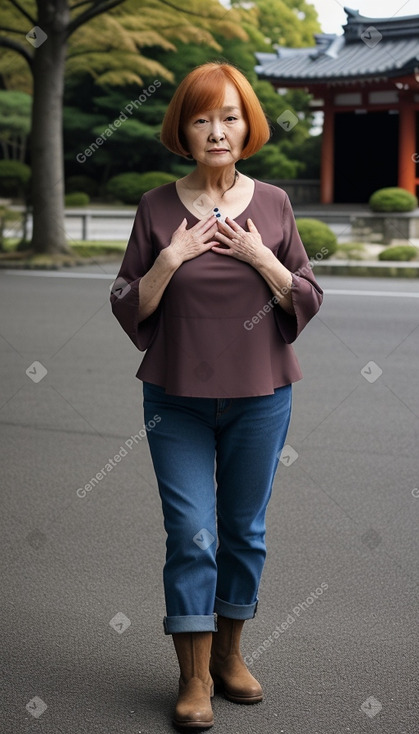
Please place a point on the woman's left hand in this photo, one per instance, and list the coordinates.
(238, 243)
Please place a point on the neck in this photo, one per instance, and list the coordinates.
(212, 180)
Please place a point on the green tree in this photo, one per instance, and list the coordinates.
(39, 32)
(14, 124)
(290, 23)
(279, 157)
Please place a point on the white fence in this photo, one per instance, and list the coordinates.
(87, 224)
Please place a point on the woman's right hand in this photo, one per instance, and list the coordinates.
(189, 243)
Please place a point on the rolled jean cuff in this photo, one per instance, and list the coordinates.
(190, 623)
(235, 611)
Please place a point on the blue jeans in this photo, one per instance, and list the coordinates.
(215, 461)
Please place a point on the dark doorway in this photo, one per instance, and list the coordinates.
(366, 154)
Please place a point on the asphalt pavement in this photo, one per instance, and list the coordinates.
(335, 639)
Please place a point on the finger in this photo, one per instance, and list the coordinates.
(221, 250)
(224, 226)
(224, 238)
(204, 224)
(233, 225)
(252, 226)
(208, 231)
(182, 225)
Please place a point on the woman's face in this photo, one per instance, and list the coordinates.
(217, 137)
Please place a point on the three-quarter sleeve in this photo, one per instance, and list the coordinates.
(306, 294)
(138, 259)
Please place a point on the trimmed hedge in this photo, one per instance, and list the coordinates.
(392, 199)
(129, 187)
(14, 178)
(399, 252)
(75, 184)
(317, 238)
(78, 198)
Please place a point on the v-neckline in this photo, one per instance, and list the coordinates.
(197, 219)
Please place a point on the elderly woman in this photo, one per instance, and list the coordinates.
(214, 286)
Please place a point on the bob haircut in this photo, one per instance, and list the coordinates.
(202, 90)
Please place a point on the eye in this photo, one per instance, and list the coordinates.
(230, 118)
(200, 121)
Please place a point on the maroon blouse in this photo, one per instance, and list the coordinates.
(217, 331)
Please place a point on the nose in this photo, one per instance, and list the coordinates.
(217, 133)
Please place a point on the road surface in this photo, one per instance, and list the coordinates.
(335, 640)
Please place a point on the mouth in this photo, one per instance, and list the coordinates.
(218, 150)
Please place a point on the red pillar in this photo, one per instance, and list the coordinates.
(327, 164)
(407, 144)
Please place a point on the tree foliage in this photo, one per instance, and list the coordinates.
(15, 111)
(112, 49)
(115, 57)
(110, 39)
(287, 22)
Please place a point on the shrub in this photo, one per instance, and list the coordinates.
(317, 236)
(95, 249)
(129, 187)
(351, 250)
(88, 185)
(14, 178)
(78, 198)
(392, 199)
(7, 216)
(399, 252)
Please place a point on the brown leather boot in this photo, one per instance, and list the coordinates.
(193, 707)
(227, 666)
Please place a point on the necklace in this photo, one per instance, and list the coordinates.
(236, 175)
(235, 178)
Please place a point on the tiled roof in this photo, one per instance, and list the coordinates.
(369, 47)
